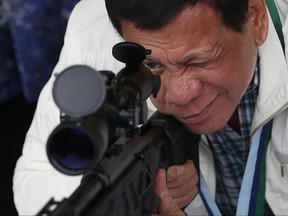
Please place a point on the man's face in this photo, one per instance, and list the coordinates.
(204, 66)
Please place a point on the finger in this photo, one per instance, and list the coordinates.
(187, 198)
(160, 187)
(183, 182)
(184, 189)
(179, 174)
(175, 171)
(167, 206)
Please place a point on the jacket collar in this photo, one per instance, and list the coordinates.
(273, 89)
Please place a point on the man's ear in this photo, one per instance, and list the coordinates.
(258, 20)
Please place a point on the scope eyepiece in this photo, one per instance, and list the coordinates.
(129, 52)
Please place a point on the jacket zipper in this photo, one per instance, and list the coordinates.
(282, 170)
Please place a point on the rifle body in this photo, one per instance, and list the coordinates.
(123, 184)
(102, 139)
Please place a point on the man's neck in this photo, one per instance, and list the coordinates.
(234, 122)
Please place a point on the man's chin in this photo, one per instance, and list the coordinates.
(203, 129)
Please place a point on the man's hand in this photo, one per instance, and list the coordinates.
(167, 206)
(182, 183)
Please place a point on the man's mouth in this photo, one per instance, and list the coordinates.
(197, 118)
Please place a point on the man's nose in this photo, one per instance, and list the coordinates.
(180, 90)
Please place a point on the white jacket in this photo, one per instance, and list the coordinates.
(89, 39)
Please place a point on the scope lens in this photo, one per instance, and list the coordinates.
(71, 150)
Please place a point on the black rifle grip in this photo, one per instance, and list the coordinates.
(182, 145)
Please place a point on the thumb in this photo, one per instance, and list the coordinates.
(167, 206)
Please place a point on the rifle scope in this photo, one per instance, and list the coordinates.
(97, 107)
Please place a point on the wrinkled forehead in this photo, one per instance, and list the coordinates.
(198, 29)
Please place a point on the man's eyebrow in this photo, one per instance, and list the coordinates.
(204, 54)
(150, 58)
(190, 56)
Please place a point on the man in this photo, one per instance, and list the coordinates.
(224, 75)
(89, 40)
(217, 72)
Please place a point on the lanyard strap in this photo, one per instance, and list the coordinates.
(252, 194)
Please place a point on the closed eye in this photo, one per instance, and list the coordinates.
(199, 65)
(153, 66)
